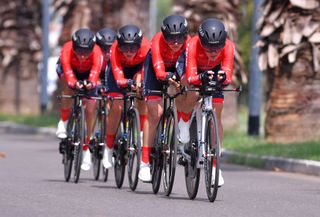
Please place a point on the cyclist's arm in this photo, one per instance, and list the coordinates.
(227, 61)
(116, 66)
(65, 57)
(157, 59)
(191, 64)
(96, 66)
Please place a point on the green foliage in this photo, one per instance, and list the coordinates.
(34, 120)
(164, 9)
(244, 33)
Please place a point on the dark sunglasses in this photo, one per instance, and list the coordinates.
(105, 48)
(172, 39)
(132, 48)
(211, 49)
(82, 51)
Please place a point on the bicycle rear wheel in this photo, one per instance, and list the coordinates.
(99, 143)
(191, 172)
(79, 141)
(212, 158)
(134, 148)
(119, 160)
(156, 158)
(169, 151)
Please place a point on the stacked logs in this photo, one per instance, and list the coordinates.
(289, 54)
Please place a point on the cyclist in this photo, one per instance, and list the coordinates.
(167, 46)
(127, 57)
(105, 38)
(210, 56)
(80, 60)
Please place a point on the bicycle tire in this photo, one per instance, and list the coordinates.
(99, 138)
(192, 173)
(157, 159)
(80, 139)
(105, 173)
(69, 148)
(119, 159)
(170, 151)
(212, 156)
(134, 148)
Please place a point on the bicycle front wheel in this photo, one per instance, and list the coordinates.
(191, 171)
(79, 141)
(212, 158)
(134, 148)
(169, 151)
(156, 158)
(69, 148)
(99, 143)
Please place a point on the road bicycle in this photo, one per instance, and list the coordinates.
(127, 146)
(203, 150)
(76, 129)
(98, 142)
(164, 151)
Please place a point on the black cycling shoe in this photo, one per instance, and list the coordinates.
(182, 161)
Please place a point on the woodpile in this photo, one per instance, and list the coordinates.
(289, 54)
(20, 53)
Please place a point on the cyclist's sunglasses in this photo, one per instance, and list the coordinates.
(82, 51)
(211, 49)
(132, 48)
(105, 48)
(179, 39)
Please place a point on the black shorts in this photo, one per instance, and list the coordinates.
(150, 81)
(111, 83)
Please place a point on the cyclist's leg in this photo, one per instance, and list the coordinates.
(114, 115)
(65, 103)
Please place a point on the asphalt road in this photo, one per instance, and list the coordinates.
(32, 184)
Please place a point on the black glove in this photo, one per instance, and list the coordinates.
(204, 77)
(101, 89)
(131, 82)
(224, 77)
(169, 75)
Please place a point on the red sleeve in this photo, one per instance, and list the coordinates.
(96, 65)
(191, 63)
(157, 60)
(117, 69)
(65, 56)
(227, 61)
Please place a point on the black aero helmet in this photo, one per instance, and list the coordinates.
(174, 27)
(212, 34)
(129, 35)
(105, 37)
(83, 41)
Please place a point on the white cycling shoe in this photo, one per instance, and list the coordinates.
(86, 162)
(107, 158)
(62, 129)
(144, 172)
(213, 176)
(184, 134)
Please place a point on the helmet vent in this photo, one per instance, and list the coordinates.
(135, 34)
(213, 36)
(175, 27)
(207, 35)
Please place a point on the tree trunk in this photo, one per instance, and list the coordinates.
(20, 45)
(293, 109)
(289, 53)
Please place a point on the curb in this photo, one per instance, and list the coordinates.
(9, 127)
(307, 167)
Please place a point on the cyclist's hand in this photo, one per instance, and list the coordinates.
(171, 78)
(207, 76)
(131, 84)
(79, 85)
(101, 89)
(222, 76)
(88, 84)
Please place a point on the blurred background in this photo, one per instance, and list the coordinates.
(276, 60)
